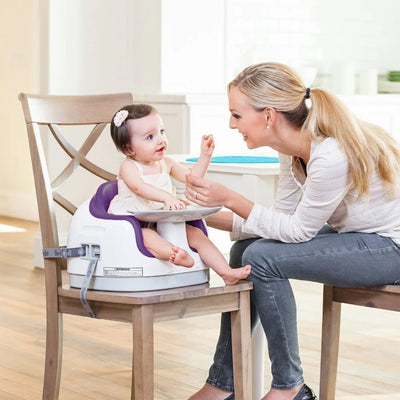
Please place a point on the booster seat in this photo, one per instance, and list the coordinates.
(123, 262)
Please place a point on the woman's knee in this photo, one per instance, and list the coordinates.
(252, 254)
(263, 256)
(237, 250)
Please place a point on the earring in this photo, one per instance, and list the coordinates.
(268, 127)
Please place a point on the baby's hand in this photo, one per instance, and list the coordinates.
(207, 145)
(173, 203)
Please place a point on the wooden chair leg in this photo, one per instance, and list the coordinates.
(329, 345)
(241, 348)
(52, 368)
(143, 353)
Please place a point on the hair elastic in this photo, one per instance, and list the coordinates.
(307, 96)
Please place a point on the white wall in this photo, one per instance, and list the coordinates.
(193, 46)
(20, 68)
(322, 33)
(90, 48)
(174, 46)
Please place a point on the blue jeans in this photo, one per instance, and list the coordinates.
(345, 259)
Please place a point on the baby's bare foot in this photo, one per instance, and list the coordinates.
(236, 274)
(180, 257)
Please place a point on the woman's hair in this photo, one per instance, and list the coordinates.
(121, 135)
(365, 145)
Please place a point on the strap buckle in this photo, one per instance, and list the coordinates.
(91, 253)
(64, 252)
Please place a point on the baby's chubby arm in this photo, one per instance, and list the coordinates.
(207, 150)
(130, 175)
(179, 172)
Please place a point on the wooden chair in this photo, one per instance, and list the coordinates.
(141, 309)
(383, 297)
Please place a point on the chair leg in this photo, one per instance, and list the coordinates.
(143, 353)
(241, 348)
(52, 368)
(258, 354)
(329, 345)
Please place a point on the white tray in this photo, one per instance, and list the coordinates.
(191, 213)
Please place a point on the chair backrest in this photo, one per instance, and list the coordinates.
(94, 113)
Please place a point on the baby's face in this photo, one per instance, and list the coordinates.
(148, 139)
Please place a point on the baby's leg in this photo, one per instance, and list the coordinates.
(164, 250)
(214, 258)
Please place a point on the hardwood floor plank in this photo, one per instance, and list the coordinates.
(97, 354)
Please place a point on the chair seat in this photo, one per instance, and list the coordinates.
(385, 297)
(166, 305)
(158, 296)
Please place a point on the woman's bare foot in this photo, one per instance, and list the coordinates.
(180, 257)
(235, 274)
(208, 392)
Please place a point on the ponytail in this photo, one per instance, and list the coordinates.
(366, 145)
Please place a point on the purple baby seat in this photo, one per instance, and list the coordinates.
(100, 202)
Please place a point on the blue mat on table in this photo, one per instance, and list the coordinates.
(239, 159)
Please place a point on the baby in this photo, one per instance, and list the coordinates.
(144, 183)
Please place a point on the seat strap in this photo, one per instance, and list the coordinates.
(85, 286)
(65, 252)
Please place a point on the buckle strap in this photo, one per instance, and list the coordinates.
(64, 252)
(85, 285)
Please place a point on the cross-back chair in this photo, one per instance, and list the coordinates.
(382, 297)
(141, 309)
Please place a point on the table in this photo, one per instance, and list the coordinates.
(259, 183)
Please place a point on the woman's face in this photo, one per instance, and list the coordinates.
(250, 123)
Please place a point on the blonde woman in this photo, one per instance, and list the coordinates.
(336, 218)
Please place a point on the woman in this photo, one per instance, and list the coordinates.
(336, 218)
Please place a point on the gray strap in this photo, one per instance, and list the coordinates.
(64, 252)
(85, 286)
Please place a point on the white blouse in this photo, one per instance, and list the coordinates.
(304, 203)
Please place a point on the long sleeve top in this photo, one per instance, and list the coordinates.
(306, 201)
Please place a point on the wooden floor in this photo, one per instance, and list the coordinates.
(97, 354)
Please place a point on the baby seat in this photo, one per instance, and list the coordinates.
(116, 242)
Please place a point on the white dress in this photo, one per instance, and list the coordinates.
(126, 200)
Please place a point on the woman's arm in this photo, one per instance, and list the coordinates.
(208, 193)
(288, 192)
(222, 220)
(327, 184)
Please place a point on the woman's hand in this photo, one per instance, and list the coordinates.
(207, 193)
(204, 192)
